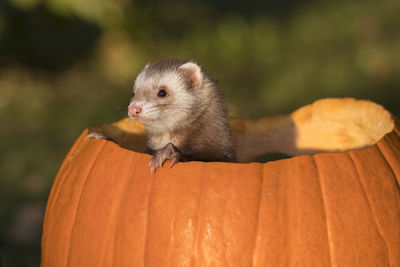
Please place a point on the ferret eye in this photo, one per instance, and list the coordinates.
(162, 92)
(133, 95)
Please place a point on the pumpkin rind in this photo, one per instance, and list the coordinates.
(327, 209)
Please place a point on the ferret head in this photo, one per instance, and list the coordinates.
(166, 93)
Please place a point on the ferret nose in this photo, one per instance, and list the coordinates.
(134, 110)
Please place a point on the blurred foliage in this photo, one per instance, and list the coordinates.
(67, 64)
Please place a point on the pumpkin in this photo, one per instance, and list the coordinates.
(337, 206)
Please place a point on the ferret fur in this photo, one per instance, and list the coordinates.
(192, 116)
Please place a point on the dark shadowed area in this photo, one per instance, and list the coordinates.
(68, 64)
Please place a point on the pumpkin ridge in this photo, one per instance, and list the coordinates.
(123, 198)
(60, 179)
(390, 149)
(395, 174)
(223, 223)
(145, 245)
(260, 198)
(387, 191)
(63, 180)
(314, 160)
(396, 125)
(350, 155)
(115, 214)
(387, 159)
(173, 231)
(92, 164)
(200, 208)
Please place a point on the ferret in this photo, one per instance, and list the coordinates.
(183, 112)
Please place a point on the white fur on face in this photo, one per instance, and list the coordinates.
(159, 114)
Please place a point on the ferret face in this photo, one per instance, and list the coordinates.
(163, 98)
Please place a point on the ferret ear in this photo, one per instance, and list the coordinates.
(192, 71)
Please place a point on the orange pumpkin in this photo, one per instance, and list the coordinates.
(325, 209)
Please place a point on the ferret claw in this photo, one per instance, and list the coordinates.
(155, 162)
(173, 161)
(168, 152)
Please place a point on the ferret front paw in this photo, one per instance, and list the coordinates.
(168, 152)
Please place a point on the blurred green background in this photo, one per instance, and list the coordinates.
(67, 64)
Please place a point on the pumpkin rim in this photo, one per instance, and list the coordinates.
(130, 135)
